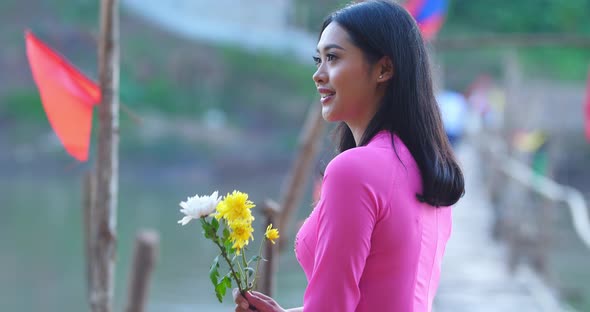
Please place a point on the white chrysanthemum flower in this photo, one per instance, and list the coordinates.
(198, 206)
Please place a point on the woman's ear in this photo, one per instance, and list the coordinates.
(384, 69)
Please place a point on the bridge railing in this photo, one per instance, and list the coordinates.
(543, 223)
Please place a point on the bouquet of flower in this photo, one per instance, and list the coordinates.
(227, 223)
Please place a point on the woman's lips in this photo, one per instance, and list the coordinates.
(326, 95)
(326, 98)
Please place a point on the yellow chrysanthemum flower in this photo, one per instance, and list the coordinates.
(271, 234)
(235, 206)
(240, 233)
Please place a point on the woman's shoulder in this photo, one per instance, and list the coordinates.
(354, 158)
(380, 159)
(360, 162)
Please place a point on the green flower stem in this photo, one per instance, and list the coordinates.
(245, 266)
(242, 272)
(231, 267)
(258, 263)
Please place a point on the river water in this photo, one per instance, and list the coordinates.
(42, 266)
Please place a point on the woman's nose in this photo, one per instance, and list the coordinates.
(320, 76)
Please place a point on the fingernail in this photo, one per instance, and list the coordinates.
(245, 305)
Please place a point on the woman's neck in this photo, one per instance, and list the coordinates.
(357, 133)
(358, 128)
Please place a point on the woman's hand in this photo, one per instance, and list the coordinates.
(255, 301)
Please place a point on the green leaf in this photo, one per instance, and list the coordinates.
(228, 247)
(221, 288)
(228, 274)
(225, 234)
(255, 258)
(218, 292)
(207, 229)
(210, 232)
(204, 223)
(214, 272)
(215, 224)
(227, 282)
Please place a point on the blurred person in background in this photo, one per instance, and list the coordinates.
(532, 147)
(375, 240)
(487, 101)
(453, 110)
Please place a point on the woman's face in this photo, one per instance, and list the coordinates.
(347, 83)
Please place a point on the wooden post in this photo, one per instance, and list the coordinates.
(105, 208)
(495, 185)
(309, 140)
(266, 283)
(513, 223)
(88, 197)
(542, 239)
(513, 81)
(144, 260)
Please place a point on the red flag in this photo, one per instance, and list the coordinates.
(67, 96)
(588, 109)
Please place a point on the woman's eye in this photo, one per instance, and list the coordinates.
(329, 57)
(317, 60)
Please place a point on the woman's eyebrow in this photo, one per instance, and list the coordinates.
(331, 46)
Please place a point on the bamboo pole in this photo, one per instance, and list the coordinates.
(104, 229)
(144, 260)
(271, 252)
(292, 191)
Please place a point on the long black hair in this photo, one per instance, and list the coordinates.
(408, 108)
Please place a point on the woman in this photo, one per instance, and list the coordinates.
(376, 238)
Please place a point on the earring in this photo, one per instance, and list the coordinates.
(381, 77)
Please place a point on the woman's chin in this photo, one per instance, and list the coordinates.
(327, 116)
